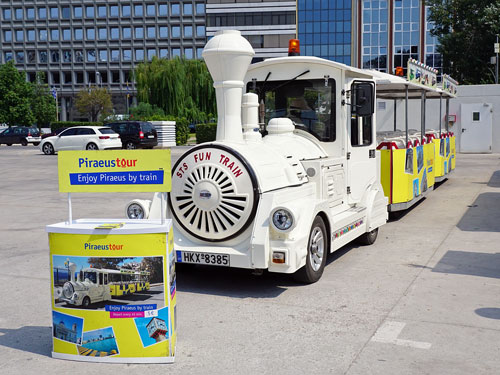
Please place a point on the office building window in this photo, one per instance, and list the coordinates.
(115, 33)
(176, 10)
(66, 54)
(200, 30)
(126, 34)
(200, 8)
(375, 35)
(56, 78)
(19, 15)
(78, 34)
(115, 77)
(42, 13)
(139, 32)
(42, 57)
(151, 32)
(67, 77)
(187, 9)
(30, 13)
(19, 35)
(151, 53)
(126, 10)
(103, 55)
(66, 13)
(102, 11)
(139, 55)
(163, 53)
(127, 55)
(91, 78)
(54, 34)
(115, 55)
(188, 31)
(432, 56)
(188, 53)
(89, 12)
(20, 56)
(138, 11)
(54, 56)
(7, 16)
(199, 51)
(31, 35)
(163, 32)
(77, 12)
(113, 11)
(163, 10)
(7, 56)
(30, 58)
(7, 36)
(176, 52)
(103, 33)
(54, 12)
(79, 77)
(176, 31)
(91, 55)
(42, 35)
(66, 34)
(79, 56)
(91, 34)
(406, 32)
(151, 10)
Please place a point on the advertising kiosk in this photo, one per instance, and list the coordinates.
(113, 282)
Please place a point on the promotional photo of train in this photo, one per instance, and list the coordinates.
(298, 169)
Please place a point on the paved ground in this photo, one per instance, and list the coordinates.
(424, 299)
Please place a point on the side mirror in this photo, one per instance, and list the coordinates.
(363, 98)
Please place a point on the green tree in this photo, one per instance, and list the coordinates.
(15, 97)
(144, 111)
(182, 88)
(106, 263)
(94, 102)
(43, 103)
(466, 32)
(154, 265)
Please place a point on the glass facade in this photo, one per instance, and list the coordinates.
(374, 39)
(325, 29)
(406, 32)
(432, 56)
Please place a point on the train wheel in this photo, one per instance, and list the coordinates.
(317, 251)
(368, 238)
(86, 302)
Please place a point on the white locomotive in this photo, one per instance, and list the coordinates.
(284, 200)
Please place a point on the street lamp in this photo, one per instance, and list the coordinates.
(98, 79)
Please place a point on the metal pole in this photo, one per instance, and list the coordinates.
(440, 112)
(406, 115)
(422, 116)
(447, 114)
(395, 103)
(162, 208)
(70, 211)
(496, 75)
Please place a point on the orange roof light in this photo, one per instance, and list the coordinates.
(399, 71)
(293, 47)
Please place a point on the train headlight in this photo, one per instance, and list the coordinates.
(138, 209)
(283, 219)
(68, 290)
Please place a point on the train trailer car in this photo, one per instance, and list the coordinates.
(293, 174)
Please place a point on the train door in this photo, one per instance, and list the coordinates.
(361, 139)
(476, 120)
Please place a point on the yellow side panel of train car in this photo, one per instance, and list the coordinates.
(402, 183)
(385, 172)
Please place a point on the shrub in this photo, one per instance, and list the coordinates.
(206, 132)
(59, 124)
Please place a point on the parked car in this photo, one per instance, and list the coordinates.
(82, 138)
(55, 132)
(20, 134)
(135, 134)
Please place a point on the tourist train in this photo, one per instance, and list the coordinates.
(297, 169)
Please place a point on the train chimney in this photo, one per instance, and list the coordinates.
(228, 56)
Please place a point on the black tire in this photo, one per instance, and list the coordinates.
(36, 143)
(368, 238)
(130, 145)
(317, 252)
(92, 147)
(86, 302)
(24, 142)
(48, 149)
(9, 144)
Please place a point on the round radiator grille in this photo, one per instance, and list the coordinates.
(214, 193)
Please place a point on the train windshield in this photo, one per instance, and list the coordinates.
(91, 276)
(310, 104)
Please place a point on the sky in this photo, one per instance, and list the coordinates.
(81, 262)
(68, 321)
(141, 326)
(104, 332)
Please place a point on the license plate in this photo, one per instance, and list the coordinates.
(203, 258)
(151, 136)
